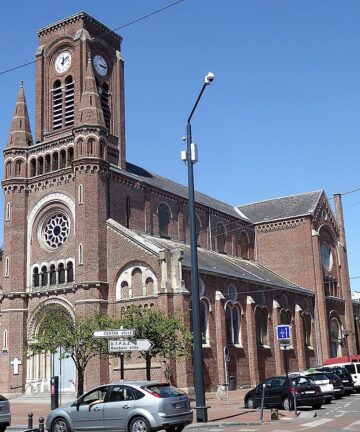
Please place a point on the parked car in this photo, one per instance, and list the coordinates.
(354, 369)
(278, 394)
(343, 374)
(335, 380)
(128, 406)
(5, 415)
(324, 383)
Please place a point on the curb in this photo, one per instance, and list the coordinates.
(217, 425)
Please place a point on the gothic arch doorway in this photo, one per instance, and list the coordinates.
(40, 367)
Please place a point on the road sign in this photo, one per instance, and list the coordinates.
(114, 333)
(129, 345)
(283, 332)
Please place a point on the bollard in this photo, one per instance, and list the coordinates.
(30, 420)
(274, 414)
(41, 424)
(295, 404)
(262, 404)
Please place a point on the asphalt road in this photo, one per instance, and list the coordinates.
(339, 415)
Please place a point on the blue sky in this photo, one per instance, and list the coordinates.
(281, 118)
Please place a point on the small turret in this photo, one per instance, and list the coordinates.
(90, 111)
(20, 132)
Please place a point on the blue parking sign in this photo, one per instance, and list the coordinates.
(283, 332)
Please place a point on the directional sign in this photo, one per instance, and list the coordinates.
(114, 333)
(283, 332)
(129, 345)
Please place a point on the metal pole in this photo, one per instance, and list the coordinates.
(121, 366)
(201, 409)
(262, 404)
(286, 361)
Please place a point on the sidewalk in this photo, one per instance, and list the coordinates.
(224, 413)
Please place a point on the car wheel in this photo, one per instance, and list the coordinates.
(286, 404)
(328, 400)
(2, 428)
(348, 392)
(139, 424)
(250, 403)
(60, 425)
(317, 406)
(177, 428)
(338, 397)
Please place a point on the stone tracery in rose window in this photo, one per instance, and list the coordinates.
(56, 230)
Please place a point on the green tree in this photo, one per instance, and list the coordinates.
(169, 335)
(75, 337)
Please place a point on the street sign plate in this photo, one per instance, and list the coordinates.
(129, 345)
(283, 332)
(114, 333)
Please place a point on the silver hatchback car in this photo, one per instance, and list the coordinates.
(132, 406)
(5, 416)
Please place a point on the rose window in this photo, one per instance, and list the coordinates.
(56, 230)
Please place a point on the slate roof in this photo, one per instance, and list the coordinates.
(152, 179)
(212, 262)
(282, 208)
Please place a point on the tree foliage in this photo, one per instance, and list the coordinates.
(75, 337)
(169, 335)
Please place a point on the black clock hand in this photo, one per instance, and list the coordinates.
(103, 66)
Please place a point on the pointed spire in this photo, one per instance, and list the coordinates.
(20, 132)
(90, 111)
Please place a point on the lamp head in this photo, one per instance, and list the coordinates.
(209, 78)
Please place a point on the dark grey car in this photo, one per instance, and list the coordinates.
(140, 406)
(5, 416)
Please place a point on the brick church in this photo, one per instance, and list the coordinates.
(87, 231)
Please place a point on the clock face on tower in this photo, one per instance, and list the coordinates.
(100, 65)
(63, 62)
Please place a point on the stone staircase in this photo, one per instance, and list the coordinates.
(43, 397)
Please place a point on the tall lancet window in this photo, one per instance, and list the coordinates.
(104, 97)
(57, 105)
(69, 101)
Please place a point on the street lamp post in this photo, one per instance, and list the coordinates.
(191, 158)
(346, 333)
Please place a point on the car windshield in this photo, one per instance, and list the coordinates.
(350, 368)
(164, 390)
(318, 377)
(332, 376)
(302, 382)
(343, 373)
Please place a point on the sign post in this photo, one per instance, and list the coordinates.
(283, 333)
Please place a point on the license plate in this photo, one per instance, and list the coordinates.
(179, 405)
(310, 392)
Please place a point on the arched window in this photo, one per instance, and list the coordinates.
(220, 237)
(8, 169)
(80, 147)
(104, 97)
(69, 101)
(40, 166)
(5, 347)
(81, 254)
(335, 338)
(233, 324)
(61, 273)
(164, 220)
(261, 326)
(33, 167)
(36, 278)
(70, 153)
(44, 276)
(204, 322)
(57, 105)
(128, 212)
(52, 275)
(7, 217)
(55, 161)
(18, 165)
(306, 323)
(197, 228)
(149, 286)
(91, 147)
(285, 316)
(80, 194)
(136, 282)
(62, 158)
(102, 149)
(244, 245)
(7, 267)
(70, 271)
(47, 163)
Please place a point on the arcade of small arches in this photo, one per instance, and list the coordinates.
(136, 281)
(50, 275)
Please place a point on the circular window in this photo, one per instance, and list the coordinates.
(326, 256)
(56, 230)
